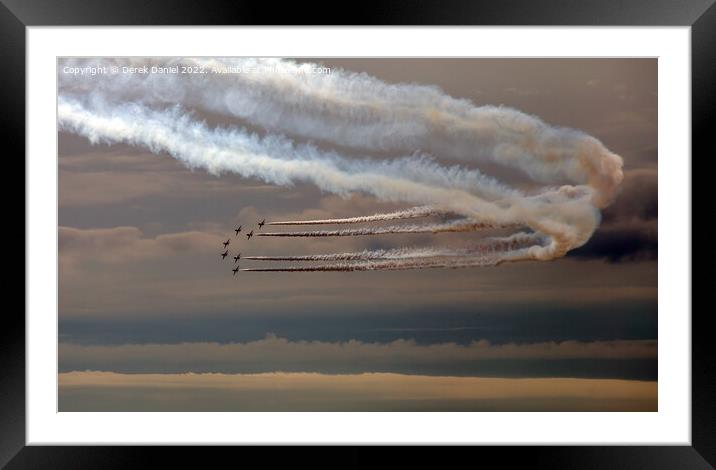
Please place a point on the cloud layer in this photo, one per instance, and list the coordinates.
(278, 354)
(107, 391)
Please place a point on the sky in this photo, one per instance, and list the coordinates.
(151, 317)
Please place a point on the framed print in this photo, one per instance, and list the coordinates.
(454, 232)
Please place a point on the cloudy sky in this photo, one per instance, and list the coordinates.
(151, 318)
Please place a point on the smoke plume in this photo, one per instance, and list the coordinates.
(575, 174)
(460, 226)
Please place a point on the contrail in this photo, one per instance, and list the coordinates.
(413, 213)
(432, 228)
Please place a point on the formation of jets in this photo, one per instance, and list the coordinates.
(238, 255)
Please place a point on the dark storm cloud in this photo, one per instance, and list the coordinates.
(638, 198)
(629, 226)
(629, 242)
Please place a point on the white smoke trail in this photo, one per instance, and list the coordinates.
(565, 214)
(357, 110)
(272, 158)
(487, 246)
(488, 253)
(390, 265)
(365, 255)
(412, 213)
(460, 226)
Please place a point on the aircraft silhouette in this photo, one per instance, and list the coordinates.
(237, 230)
(261, 224)
(226, 243)
(225, 254)
(250, 234)
(237, 257)
(235, 270)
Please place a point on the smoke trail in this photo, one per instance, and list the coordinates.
(432, 228)
(565, 213)
(357, 110)
(488, 246)
(389, 265)
(413, 213)
(483, 254)
(273, 159)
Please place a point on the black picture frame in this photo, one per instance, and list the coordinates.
(700, 15)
